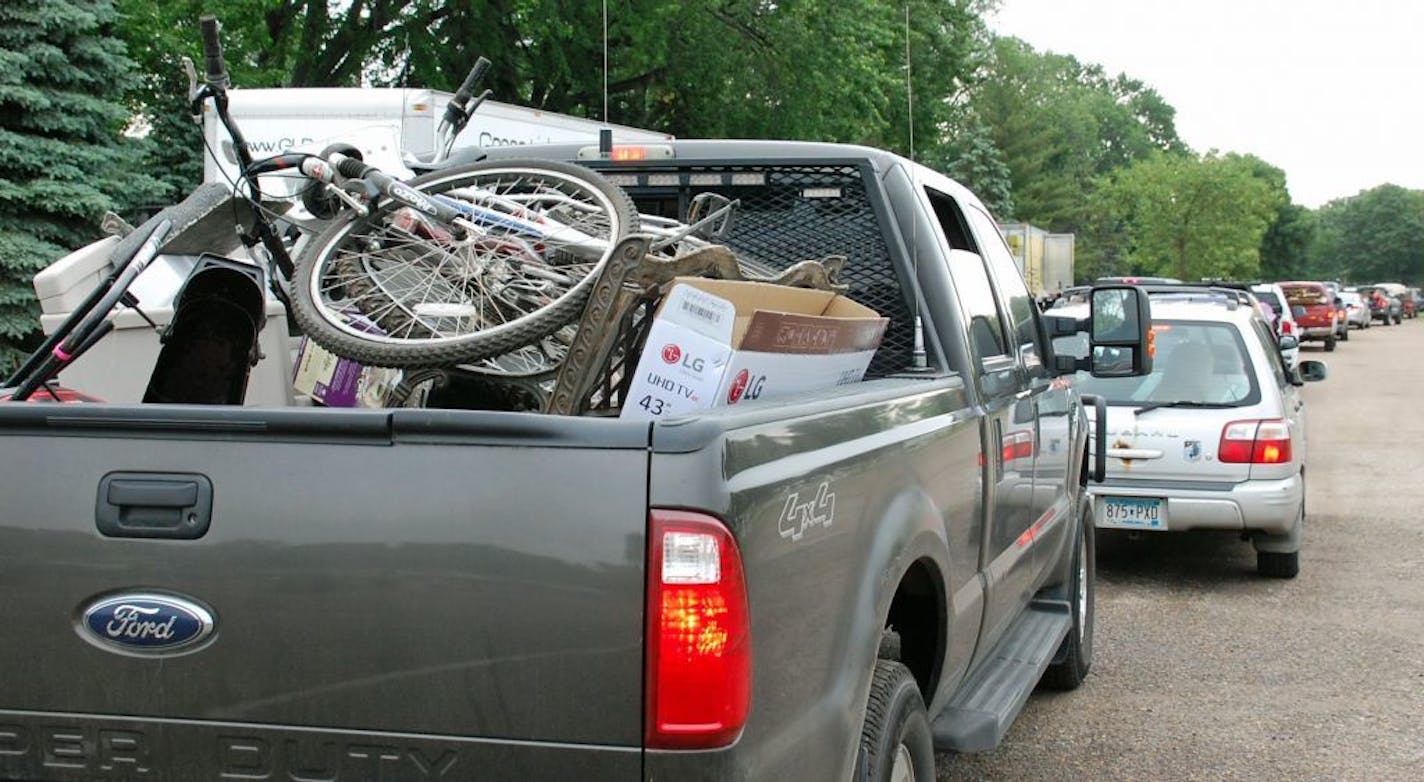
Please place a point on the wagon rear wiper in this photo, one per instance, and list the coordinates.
(1147, 408)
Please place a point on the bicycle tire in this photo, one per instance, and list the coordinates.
(373, 290)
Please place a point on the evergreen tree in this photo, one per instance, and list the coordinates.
(63, 158)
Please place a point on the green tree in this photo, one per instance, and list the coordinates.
(1285, 247)
(1192, 218)
(806, 69)
(63, 158)
(1059, 124)
(829, 70)
(1376, 236)
(970, 156)
(267, 43)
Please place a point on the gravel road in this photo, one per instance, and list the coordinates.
(1205, 671)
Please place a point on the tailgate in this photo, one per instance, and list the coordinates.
(1315, 315)
(1169, 444)
(390, 592)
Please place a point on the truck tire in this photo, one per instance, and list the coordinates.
(1275, 564)
(1330, 343)
(1345, 335)
(1075, 655)
(895, 740)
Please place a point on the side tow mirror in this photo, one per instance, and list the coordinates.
(1120, 331)
(1119, 327)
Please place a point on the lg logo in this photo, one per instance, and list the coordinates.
(672, 354)
(745, 385)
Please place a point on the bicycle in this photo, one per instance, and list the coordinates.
(486, 265)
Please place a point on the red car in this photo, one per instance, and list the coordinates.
(1314, 311)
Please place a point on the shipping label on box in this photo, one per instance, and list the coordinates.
(717, 342)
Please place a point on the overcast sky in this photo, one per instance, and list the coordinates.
(1330, 92)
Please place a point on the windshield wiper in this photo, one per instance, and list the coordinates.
(1147, 408)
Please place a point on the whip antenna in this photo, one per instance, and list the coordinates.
(919, 359)
(605, 62)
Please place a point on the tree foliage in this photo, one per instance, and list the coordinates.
(268, 43)
(1192, 217)
(1285, 247)
(830, 70)
(1376, 236)
(1060, 124)
(63, 159)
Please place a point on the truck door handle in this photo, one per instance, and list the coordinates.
(154, 505)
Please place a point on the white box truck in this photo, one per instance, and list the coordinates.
(386, 123)
(1045, 259)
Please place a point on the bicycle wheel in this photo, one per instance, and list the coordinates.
(398, 289)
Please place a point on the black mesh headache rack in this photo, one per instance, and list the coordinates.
(792, 213)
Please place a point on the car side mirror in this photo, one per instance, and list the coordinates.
(1313, 371)
(1288, 342)
(1120, 340)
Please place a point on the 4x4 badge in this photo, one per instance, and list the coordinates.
(1192, 450)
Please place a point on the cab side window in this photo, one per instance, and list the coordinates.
(1022, 309)
(971, 282)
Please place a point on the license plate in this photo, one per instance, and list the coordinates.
(1134, 513)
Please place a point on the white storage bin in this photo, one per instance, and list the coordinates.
(117, 368)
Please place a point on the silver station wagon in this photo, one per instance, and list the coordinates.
(1214, 437)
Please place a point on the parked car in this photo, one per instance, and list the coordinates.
(1379, 304)
(1284, 323)
(1213, 438)
(1357, 310)
(1383, 307)
(1314, 309)
(1408, 305)
(1342, 329)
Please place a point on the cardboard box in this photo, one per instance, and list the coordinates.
(339, 382)
(718, 342)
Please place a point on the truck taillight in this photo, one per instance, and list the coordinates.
(1255, 442)
(1286, 327)
(699, 672)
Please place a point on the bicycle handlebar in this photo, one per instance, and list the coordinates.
(213, 53)
(467, 87)
(391, 188)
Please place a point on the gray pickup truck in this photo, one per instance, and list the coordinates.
(819, 588)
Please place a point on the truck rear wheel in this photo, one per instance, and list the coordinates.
(1330, 343)
(895, 741)
(1075, 655)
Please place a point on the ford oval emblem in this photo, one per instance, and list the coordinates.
(146, 623)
